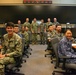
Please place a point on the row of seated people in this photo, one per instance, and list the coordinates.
(54, 31)
(11, 49)
(39, 38)
(64, 53)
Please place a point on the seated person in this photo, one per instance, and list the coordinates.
(50, 35)
(16, 30)
(11, 46)
(25, 35)
(29, 34)
(59, 34)
(65, 47)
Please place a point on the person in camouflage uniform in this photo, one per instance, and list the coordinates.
(42, 31)
(25, 35)
(55, 21)
(19, 25)
(29, 34)
(11, 46)
(34, 30)
(16, 30)
(59, 34)
(27, 24)
(54, 28)
(48, 23)
(50, 35)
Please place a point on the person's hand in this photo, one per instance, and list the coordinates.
(32, 31)
(49, 39)
(6, 55)
(2, 56)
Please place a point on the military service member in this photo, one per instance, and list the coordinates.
(25, 35)
(65, 47)
(59, 34)
(48, 23)
(16, 30)
(42, 31)
(12, 45)
(27, 23)
(50, 35)
(19, 24)
(55, 21)
(34, 30)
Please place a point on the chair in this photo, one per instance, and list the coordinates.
(49, 48)
(14, 68)
(51, 53)
(65, 67)
(23, 47)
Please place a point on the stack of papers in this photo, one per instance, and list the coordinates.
(73, 44)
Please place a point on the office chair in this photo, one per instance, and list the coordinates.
(51, 52)
(14, 68)
(66, 68)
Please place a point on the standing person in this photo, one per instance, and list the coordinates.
(27, 24)
(34, 30)
(55, 21)
(42, 31)
(11, 46)
(19, 24)
(48, 23)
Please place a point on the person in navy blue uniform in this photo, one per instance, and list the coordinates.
(65, 47)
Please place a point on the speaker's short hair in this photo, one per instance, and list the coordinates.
(10, 24)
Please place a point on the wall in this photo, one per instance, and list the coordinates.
(15, 2)
(13, 13)
(11, 1)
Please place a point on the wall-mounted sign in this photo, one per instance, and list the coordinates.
(37, 1)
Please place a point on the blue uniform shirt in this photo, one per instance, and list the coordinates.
(65, 49)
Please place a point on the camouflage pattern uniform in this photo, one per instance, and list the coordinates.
(59, 35)
(47, 24)
(50, 35)
(27, 24)
(19, 25)
(12, 47)
(55, 23)
(26, 36)
(34, 30)
(42, 32)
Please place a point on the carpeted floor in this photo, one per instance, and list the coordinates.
(37, 63)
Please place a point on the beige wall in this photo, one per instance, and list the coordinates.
(10, 1)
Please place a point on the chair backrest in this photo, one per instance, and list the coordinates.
(54, 43)
(23, 44)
